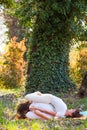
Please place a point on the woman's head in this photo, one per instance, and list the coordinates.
(22, 109)
(73, 113)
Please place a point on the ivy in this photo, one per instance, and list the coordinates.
(54, 24)
(7, 3)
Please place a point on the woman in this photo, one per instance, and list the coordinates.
(44, 106)
(58, 104)
(41, 111)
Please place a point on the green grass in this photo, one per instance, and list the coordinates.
(8, 109)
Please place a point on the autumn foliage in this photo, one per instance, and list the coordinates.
(12, 70)
(78, 63)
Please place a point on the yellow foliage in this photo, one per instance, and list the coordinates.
(74, 56)
(13, 62)
(78, 63)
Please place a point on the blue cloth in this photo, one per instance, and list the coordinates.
(84, 113)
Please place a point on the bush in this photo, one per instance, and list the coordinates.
(12, 69)
(78, 62)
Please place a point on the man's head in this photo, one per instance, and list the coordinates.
(22, 109)
(73, 113)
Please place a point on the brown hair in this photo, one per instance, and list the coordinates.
(22, 109)
(75, 113)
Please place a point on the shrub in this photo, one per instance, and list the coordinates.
(12, 72)
(78, 62)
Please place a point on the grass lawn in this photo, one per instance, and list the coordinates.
(9, 99)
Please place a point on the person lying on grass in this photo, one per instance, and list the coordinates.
(47, 110)
(58, 104)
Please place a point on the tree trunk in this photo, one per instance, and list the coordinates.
(83, 88)
(48, 64)
(49, 61)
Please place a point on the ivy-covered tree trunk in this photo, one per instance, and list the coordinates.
(54, 23)
(49, 53)
(48, 68)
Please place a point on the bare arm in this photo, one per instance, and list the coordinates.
(48, 112)
(44, 111)
(41, 114)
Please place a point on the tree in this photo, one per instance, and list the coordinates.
(55, 24)
(83, 87)
(10, 20)
(12, 69)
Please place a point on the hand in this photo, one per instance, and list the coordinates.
(39, 93)
(32, 108)
(57, 118)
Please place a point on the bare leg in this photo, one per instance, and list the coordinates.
(41, 114)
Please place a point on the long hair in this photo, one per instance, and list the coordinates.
(22, 109)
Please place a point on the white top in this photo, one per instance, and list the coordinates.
(42, 106)
(59, 105)
(32, 115)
